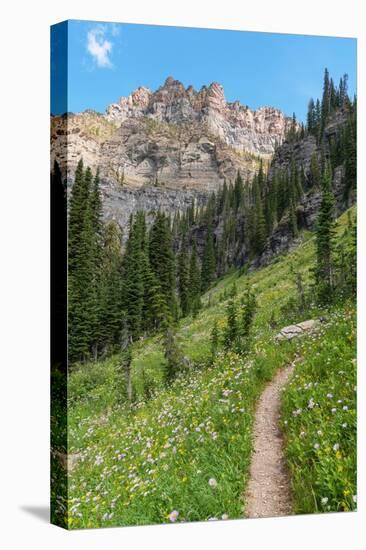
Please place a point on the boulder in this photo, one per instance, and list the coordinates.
(292, 331)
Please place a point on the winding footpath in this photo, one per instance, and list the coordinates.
(268, 493)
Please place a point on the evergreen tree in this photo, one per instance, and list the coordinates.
(112, 318)
(183, 278)
(231, 332)
(194, 281)
(172, 353)
(350, 153)
(310, 121)
(318, 121)
(133, 274)
(162, 261)
(208, 262)
(314, 173)
(324, 236)
(325, 105)
(83, 304)
(248, 309)
(238, 191)
(259, 240)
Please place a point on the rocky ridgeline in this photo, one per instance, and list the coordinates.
(168, 146)
(257, 132)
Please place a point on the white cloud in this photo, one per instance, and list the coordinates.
(98, 47)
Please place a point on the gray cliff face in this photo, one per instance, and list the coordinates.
(164, 148)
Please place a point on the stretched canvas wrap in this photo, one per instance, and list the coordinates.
(203, 274)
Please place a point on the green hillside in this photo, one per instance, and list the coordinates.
(186, 447)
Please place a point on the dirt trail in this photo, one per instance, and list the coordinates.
(268, 493)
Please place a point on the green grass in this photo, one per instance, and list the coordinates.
(137, 464)
(319, 418)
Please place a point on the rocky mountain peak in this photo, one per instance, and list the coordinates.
(179, 139)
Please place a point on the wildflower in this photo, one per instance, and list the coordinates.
(302, 434)
(324, 500)
(316, 445)
(334, 410)
(212, 482)
(319, 432)
(329, 395)
(173, 516)
(354, 498)
(335, 447)
(224, 516)
(344, 425)
(311, 404)
(345, 408)
(99, 460)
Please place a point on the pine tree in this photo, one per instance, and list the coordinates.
(324, 236)
(78, 200)
(314, 173)
(162, 261)
(133, 287)
(238, 191)
(259, 238)
(318, 121)
(231, 332)
(183, 278)
(311, 123)
(112, 318)
(83, 312)
(194, 281)
(350, 153)
(248, 308)
(325, 105)
(155, 312)
(208, 262)
(172, 353)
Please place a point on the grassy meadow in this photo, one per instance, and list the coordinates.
(183, 454)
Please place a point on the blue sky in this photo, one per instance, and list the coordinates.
(109, 60)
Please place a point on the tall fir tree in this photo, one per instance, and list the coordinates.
(324, 238)
(162, 260)
(208, 262)
(194, 281)
(183, 278)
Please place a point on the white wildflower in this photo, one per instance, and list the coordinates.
(173, 516)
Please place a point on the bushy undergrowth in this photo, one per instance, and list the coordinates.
(319, 418)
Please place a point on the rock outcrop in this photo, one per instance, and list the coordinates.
(293, 331)
(168, 146)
